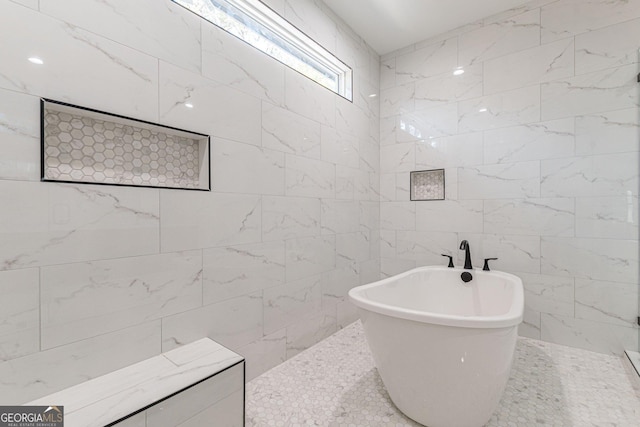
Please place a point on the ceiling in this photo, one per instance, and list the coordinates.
(388, 25)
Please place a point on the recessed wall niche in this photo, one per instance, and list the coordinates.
(82, 145)
(427, 185)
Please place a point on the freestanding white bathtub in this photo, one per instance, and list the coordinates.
(443, 347)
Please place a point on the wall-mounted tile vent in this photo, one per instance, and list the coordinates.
(82, 145)
(427, 185)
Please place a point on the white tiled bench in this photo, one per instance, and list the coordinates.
(199, 384)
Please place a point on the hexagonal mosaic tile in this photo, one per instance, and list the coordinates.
(86, 149)
(335, 383)
(427, 185)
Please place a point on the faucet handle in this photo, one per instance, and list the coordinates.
(486, 263)
(450, 260)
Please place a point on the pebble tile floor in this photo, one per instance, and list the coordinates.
(335, 383)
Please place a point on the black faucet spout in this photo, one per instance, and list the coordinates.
(464, 245)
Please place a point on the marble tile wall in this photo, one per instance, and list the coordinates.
(539, 140)
(94, 278)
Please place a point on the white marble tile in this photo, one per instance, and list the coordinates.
(289, 303)
(532, 216)
(373, 239)
(212, 219)
(509, 180)
(403, 186)
(429, 123)
(529, 67)
(173, 34)
(33, 4)
(198, 350)
(586, 334)
(535, 141)
(516, 254)
(449, 215)
(19, 311)
(451, 183)
(387, 243)
(354, 117)
(608, 132)
(597, 259)
(229, 412)
(47, 223)
(310, 18)
(345, 182)
(265, 353)
(336, 285)
(94, 392)
(388, 73)
(370, 217)
(398, 216)
(234, 271)
(516, 10)
(530, 326)
(233, 323)
(601, 175)
(235, 63)
(572, 17)
(499, 38)
(339, 147)
(607, 302)
(347, 313)
(548, 294)
(388, 131)
(309, 331)
(153, 384)
(397, 100)
(288, 217)
(612, 89)
(451, 151)
(309, 99)
(245, 168)
(425, 247)
(427, 61)
(369, 273)
(352, 248)
(447, 87)
(397, 158)
(515, 107)
(339, 216)
(130, 290)
(352, 49)
(392, 266)
(31, 376)
(369, 154)
(129, 78)
(387, 187)
(613, 217)
(608, 47)
(182, 407)
(310, 255)
(19, 136)
(292, 133)
(366, 186)
(309, 177)
(218, 110)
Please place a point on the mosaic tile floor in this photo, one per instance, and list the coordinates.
(335, 383)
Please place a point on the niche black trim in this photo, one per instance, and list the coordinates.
(43, 101)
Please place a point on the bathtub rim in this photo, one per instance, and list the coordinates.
(513, 317)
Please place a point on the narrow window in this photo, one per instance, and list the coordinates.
(261, 27)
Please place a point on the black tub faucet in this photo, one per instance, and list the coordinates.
(464, 245)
